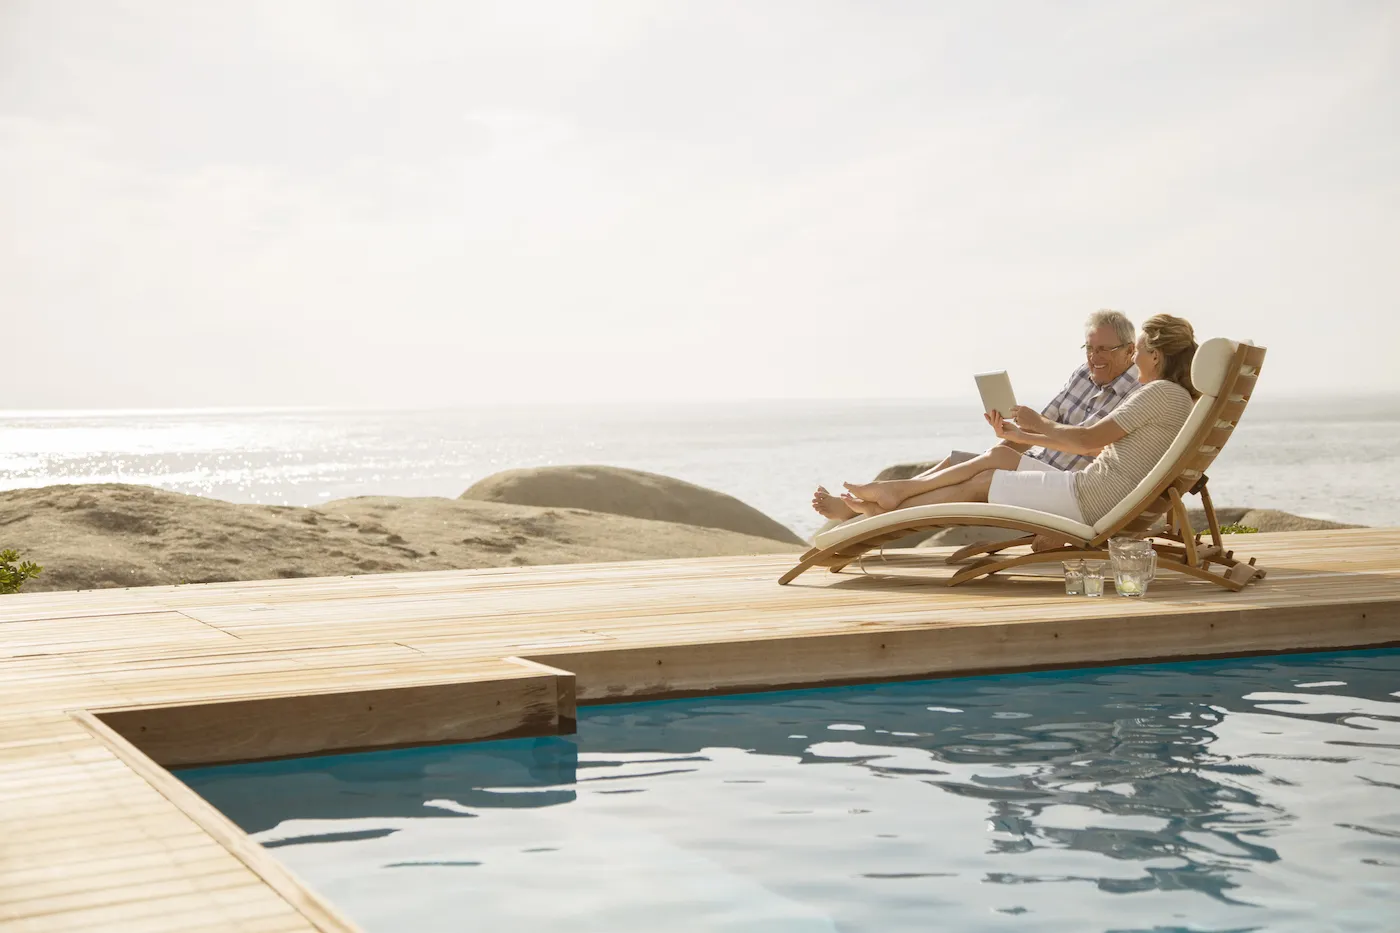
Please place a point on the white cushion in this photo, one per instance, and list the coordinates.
(950, 513)
(1211, 364)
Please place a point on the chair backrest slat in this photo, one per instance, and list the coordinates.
(1218, 436)
(1244, 385)
(1230, 410)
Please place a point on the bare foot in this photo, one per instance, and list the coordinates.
(862, 506)
(878, 493)
(830, 506)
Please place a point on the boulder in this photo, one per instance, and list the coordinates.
(905, 470)
(1262, 520)
(108, 535)
(964, 535)
(620, 491)
(1226, 515)
(1274, 520)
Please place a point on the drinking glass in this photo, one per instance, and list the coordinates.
(1093, 578)
(1074, 577)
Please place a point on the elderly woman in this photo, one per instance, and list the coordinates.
(1126, 445)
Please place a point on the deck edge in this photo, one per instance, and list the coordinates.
(317, 910)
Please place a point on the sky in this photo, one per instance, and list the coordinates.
(458, 203)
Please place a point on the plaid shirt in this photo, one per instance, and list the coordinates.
(1081, 402)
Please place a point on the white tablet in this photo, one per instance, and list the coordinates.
(996, 392)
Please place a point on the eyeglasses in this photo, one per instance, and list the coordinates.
(1090, 351)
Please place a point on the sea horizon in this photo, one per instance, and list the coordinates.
(1313, 456)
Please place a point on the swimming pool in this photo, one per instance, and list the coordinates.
(1245, 794)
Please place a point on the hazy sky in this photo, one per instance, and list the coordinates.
(423, 203)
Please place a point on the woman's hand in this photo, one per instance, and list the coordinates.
(1028, 419)
(1004, 429)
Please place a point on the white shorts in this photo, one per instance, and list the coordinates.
(1037, 485)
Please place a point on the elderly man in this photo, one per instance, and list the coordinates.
(1094, 389)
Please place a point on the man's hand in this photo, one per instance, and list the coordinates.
(1004, 429)
(1028, 419)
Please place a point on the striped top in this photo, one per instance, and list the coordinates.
(1152, 416)
(1083, 402)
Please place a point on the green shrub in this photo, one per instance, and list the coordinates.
(13, 575)
(1234, 529)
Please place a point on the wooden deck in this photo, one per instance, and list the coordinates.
(99, 689)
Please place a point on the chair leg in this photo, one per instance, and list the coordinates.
(1212, 522)
(986, 547)
(832, 558)
(806, 561)
(1223, 580)
(1188, 534)
(988, 567)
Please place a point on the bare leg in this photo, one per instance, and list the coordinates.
(861, 506)
(830, 506)
(891, 494)
(841, 509)
(970, 490)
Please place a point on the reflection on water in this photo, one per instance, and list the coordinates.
(1258, 794)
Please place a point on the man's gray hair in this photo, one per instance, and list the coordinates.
(1115, 319)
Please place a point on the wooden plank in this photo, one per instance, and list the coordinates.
(1216, 437)
(310, 905)
(959, 650)
(159, 865)
(518, 702)
(565, 696)
(1230, 411)
(1243, 385)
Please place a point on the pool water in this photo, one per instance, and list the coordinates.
(1241, 795)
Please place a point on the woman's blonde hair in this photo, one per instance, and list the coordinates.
(1174, 338)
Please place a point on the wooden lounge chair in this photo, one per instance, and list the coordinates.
(1223, 372)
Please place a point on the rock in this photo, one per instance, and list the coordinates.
(1263, 520)
(1273, 520)
(905, 470)
(619, 491)
(94, 536)
(971, 534)
(1227, 515)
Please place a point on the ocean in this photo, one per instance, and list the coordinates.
(1336, 458)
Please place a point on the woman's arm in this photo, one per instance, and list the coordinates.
(1073, 439)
